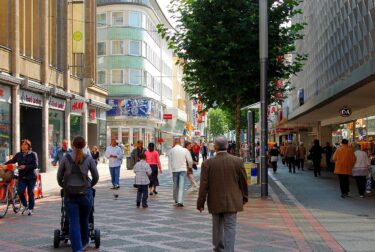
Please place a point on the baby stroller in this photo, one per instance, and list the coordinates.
(63, 233)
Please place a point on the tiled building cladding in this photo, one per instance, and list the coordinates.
(339, 38)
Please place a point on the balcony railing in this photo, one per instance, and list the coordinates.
(105, 2)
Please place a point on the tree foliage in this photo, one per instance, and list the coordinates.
(218, 44)
(218, 122)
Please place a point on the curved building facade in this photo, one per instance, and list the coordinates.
(135, 65)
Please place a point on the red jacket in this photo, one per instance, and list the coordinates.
(196, 148)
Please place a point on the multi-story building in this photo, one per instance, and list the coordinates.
(336, 87)
(136, 66)
(47, 76)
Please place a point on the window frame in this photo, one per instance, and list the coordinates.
(105, 48)
(101, 25)
(139, 19)
(122, 47)
(105, 77)
(122, 76)
(140, 74)
(139, 47)
(112, 20)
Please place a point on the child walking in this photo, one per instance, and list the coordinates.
(142, 170)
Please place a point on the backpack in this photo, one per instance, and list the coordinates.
(75, 182)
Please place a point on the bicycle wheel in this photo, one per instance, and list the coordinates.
(4, 200)
(16, 202)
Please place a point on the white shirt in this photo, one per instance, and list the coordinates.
(140, 169)
(115, 151)
(178, 157)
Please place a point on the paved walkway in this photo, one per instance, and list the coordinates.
(275, 223)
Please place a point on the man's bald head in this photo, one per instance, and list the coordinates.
(221, 143)
(177, 141)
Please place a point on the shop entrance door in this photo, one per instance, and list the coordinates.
(31, 128)
(92, 135)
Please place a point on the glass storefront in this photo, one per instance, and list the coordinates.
(55, 131)
(102, 128)
(75, 126)
(5, 123)
(136, 136)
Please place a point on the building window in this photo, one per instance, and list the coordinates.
(101, 20)
(135, 77)
(101, 48)
(118, 47)
(117, 77)
(117, 18)
(101, 77)
(135, 19)
(135, 48)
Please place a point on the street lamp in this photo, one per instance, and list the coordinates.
(263, 55)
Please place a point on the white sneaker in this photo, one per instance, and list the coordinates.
(30, 212)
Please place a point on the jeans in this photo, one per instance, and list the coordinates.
(224, 231)
(212, 153)
(29, 184)
(178, 186)
(115, 175)
(142, 193)
(291, 163)
(78, 210)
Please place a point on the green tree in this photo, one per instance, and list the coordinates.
(218, 122)
(218, 43)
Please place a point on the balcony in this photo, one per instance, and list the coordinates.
(107, 2)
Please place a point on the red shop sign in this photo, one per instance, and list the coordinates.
(167, 116)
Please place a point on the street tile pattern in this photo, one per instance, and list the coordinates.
(266, 224)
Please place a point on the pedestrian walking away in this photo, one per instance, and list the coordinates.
(361, 169)
(316, 157)
(189, 172)
(204, 151)
(72, 176)
(152, 158)
(291, 153)
(211, 149)
(223, 175)
(301, 156)
(328, 151)
(274, 155)
(114, 154)
(345, 159)
(179, 160)
(142, 172)
(26, 160)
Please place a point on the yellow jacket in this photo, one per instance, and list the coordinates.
(345, 159)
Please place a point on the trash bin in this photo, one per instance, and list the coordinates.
(252, 173)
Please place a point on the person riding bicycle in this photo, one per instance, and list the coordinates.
(72, 176)
(27, 163)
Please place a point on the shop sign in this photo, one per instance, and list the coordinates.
(5, 94)
(30, 98)
(345, 111)
(92, 114)
(197, 133)
(58, 104)
(77, 106)
(167, 116)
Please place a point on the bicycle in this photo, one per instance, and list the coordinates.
(8, 195)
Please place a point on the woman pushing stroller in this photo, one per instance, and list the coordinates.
(72, 176)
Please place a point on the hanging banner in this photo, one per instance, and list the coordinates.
(78, 25)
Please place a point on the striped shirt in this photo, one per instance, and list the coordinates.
(140, 169)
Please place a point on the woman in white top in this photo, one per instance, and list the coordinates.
(361, 169)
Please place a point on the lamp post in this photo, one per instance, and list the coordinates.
(263, 55)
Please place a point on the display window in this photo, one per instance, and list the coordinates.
(75, 126)
(55, 131)
(5, 123)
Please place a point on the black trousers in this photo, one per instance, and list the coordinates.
(301, 163)
(361, 184)
(317, 167)
(344, 183)
(274, 166)
(292, 163)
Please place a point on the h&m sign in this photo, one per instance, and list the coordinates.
(77, 106)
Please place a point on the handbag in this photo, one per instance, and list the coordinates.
(195, 167)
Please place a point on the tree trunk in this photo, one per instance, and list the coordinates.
(238, 125)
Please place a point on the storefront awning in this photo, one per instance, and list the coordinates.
(100, 105)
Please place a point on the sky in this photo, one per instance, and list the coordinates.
(164, 5)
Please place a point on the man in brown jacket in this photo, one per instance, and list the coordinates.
(345, 160)
(223, 183)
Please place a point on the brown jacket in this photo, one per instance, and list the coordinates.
(345, 160)
(223, 183)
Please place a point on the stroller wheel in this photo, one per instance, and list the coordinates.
(97, 238)
(56, 238)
